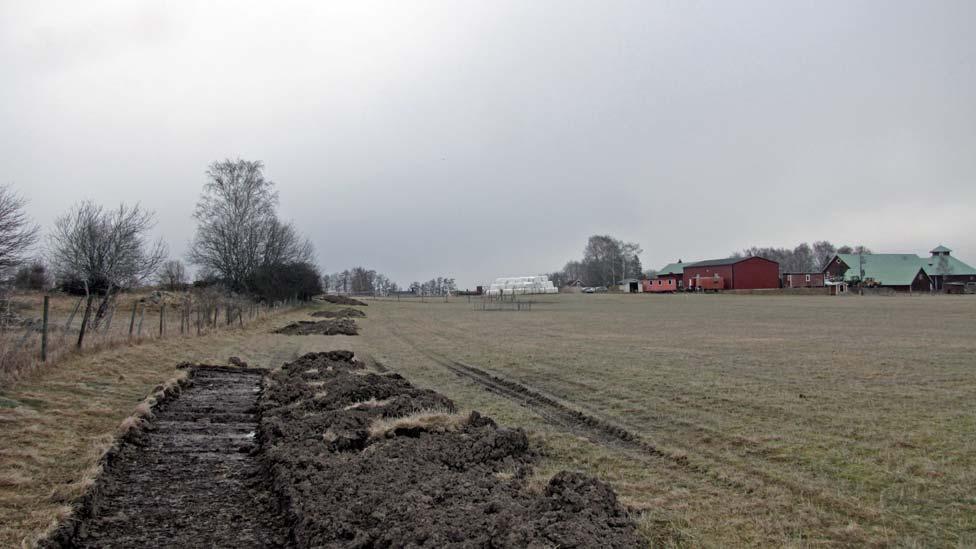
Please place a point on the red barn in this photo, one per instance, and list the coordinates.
(737, 273)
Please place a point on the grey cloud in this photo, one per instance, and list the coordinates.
(491, 138)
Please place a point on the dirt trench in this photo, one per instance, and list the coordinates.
(335, 326)
(190, 478)
(348, 312)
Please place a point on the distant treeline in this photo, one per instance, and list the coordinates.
(360, 280)
(804, 257)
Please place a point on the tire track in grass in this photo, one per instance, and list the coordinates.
(607, 434)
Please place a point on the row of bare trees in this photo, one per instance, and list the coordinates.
(804, 257)
(435, 286)
(100, 251)
(359, 280)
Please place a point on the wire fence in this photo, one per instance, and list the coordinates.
(64, 324)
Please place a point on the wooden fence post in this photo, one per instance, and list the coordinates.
(44, 331)
(84, 322)
(162, 309)
(142, 315)
(132, 321)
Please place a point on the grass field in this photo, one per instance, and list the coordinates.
(775, 420)
(783, 421)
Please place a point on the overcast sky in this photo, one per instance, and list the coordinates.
(485, 139)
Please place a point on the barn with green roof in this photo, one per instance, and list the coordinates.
(943, 268)
(901, 272)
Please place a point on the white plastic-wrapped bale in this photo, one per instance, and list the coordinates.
(520, 285)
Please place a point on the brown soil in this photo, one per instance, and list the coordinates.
(343, 300)
(190, 478)
(339, 326)
(341, 313)
(420, 483)
(324, 453)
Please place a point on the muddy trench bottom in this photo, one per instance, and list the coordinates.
(190, 478)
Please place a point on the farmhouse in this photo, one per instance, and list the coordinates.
(735, 273)
(803, 280)
(900, 272)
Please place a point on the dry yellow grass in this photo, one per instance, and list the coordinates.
(58, 420)
(781, 420)
(19, 354)
(437, 421)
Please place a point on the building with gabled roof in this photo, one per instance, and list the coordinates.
(735, 273)
(900, 272)
(673, 271)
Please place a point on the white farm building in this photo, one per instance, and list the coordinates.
(522, 285)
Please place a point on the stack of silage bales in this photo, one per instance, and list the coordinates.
(521, 285)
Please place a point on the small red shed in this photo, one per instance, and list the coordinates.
(803, 280)
(660, 285)
(737, 273)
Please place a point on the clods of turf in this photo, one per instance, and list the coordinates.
(341, 313)
(368, 460)
(338, 326)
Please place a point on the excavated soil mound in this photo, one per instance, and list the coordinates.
(339, 326)
(368, 460)
(343, 300)
(188, 478)
(341, 313)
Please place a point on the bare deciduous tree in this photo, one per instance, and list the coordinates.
(106, 250)
(172, 275)
(232, 215)
(823, 251)
(17, 232)
(284, 245)
(238, 231)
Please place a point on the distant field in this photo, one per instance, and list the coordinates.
(761, 419)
